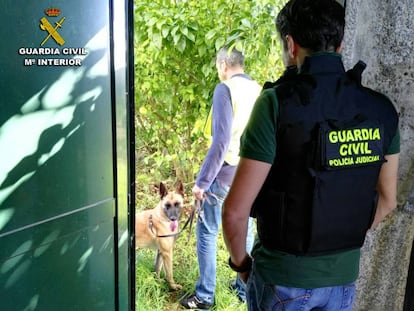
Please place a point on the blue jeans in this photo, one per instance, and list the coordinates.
(208, 225)
(265, 297)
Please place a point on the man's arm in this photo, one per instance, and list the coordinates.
(247, 183)
(387, 188)
(221, 135)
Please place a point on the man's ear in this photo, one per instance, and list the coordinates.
(339, 49)
(292, 47)
(225, 70)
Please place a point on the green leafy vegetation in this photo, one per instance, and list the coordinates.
(175, 46)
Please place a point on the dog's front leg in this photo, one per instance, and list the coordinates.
(158, 263)
(167, 258)
(168, 265)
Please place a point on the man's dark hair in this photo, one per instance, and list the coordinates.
(316, 25)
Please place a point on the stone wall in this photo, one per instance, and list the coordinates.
(409, 291)
(381, 33)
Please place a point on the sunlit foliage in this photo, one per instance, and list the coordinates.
(175, 47)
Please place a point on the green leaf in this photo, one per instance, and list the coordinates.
(176, 38)
(165, 30)
(190, 36)
(152, 21)
(184, 30)
(174, 30)
(202, 50)
(219, 43)
(246, 22)
(157, 40)
(210, 35)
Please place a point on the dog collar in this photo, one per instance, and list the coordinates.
(151, 226)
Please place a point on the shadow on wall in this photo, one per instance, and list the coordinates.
(48, 119)
(43, 145)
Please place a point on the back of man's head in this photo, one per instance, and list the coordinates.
(232, 57)
(316, 25)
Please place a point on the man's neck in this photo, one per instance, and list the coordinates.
(300, 56)
(233, 71)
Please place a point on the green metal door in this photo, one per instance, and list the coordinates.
(65, 173)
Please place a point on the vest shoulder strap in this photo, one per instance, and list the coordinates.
(355, 74)
(297, 87)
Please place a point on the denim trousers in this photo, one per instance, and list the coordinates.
(208, 225)
(266, 297)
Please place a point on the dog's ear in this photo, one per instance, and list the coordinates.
(180, 188)
(163, 190)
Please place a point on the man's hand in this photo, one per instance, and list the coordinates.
(244, 276)
(198, 192)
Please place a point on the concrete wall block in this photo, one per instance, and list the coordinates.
(381, 34)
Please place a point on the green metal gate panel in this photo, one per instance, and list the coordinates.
(59, 265)
(61, 176)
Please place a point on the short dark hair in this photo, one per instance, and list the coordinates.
(316, 25)
(231, 56)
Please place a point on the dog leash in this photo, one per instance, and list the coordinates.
(196, 209)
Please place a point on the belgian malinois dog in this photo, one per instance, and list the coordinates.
(157, 228)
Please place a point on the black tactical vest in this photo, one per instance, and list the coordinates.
(332, 133)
